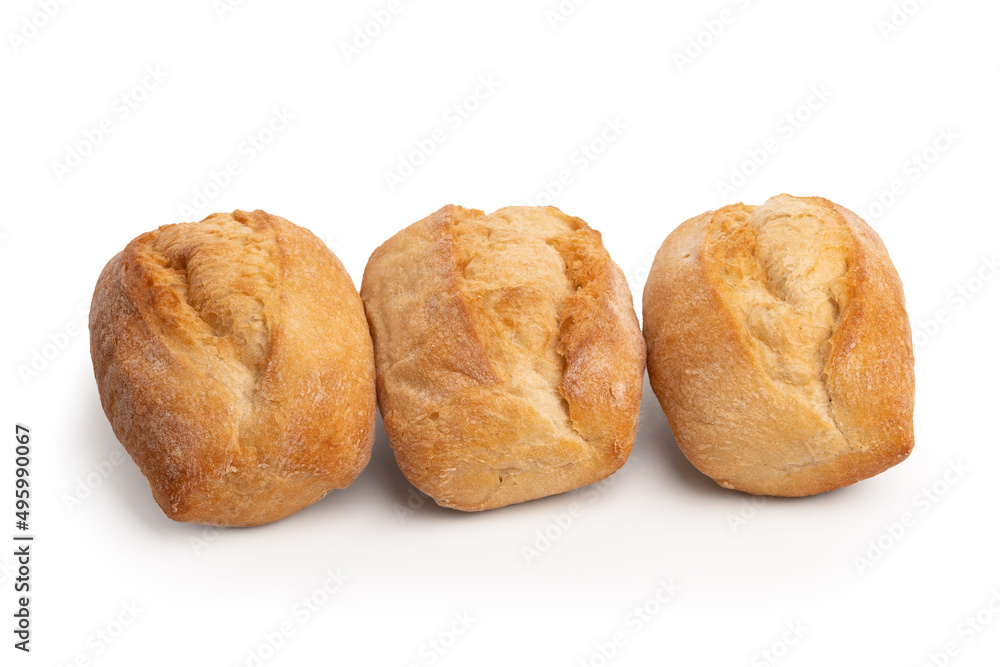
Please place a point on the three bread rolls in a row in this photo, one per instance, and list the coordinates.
(239, 366)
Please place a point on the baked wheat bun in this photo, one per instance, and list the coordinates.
(510, 361)
(233, 360)
(780, 348)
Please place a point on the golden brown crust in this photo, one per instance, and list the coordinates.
(234, 362)
(779, 347)
(509, 355)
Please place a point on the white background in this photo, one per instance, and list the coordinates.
(744, 571)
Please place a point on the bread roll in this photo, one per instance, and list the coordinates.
(233, 360)
(510, 361)
(780, 348)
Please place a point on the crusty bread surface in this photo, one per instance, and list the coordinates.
(234, 363)
(780, 348)
(510, 360)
